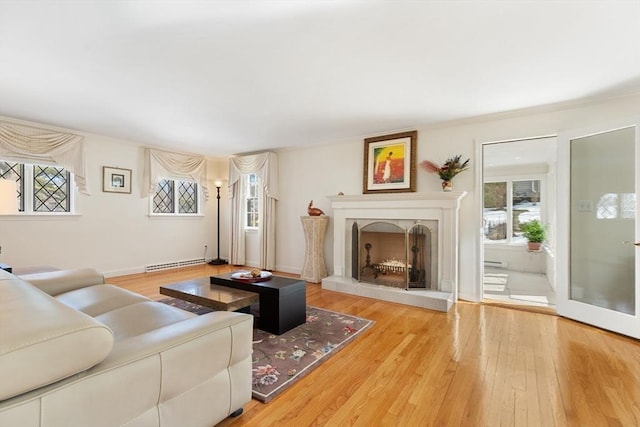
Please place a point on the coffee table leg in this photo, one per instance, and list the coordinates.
(280, 312)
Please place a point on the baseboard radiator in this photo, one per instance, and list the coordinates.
(173, 264)
(495, 264)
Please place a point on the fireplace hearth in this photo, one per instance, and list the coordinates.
(400, 247)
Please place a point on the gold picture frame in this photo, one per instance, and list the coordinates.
(390, 163)
(116, 180)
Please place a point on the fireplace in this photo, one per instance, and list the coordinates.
(396, 253)
(400, 247)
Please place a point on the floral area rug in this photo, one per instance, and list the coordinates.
(281, 360)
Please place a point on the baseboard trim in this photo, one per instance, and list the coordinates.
(288, 269)
(124, 272)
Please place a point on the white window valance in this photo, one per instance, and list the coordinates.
(167, 165)
(29, 144)
(265, 165)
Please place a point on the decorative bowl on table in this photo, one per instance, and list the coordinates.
(251, 276)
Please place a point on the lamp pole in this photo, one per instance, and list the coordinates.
(218, 260)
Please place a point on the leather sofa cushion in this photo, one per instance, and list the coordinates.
(42, 340)
(60, 281)
(99, 299)
(137, 319)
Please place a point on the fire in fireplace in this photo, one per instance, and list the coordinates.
(399, 254)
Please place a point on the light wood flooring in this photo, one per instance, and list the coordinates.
(478, 365)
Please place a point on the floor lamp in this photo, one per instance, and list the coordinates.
(218, 260)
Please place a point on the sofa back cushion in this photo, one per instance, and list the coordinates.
(42, 340)
(60, 281)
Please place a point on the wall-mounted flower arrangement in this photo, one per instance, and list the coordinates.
(452, 167)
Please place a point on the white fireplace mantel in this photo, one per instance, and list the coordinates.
(439, 206)
(438, 199)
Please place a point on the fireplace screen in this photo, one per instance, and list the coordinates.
(389, 255)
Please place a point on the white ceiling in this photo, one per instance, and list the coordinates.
(225, 77)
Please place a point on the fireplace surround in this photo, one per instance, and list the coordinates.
(436, 212)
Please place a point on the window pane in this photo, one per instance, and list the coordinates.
(187, 197)
(14, 172)
(163, 199)
(252, 213)
(251, 199)
(495, 211)
(253, 186)
(50, 189)
(526, 206)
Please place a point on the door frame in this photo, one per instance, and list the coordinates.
(596, 316)
(479, 203)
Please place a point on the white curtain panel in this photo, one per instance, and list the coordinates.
(24, 143)
(265, 166)
(167, 165)
(237, 193)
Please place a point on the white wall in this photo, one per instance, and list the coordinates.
(517, 258)
(113, 232)
(317, 172)
(312, 174)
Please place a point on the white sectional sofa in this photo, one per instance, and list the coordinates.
(75, 351)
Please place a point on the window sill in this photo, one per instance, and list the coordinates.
(175, 216)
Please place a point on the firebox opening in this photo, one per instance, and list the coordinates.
(388, 255)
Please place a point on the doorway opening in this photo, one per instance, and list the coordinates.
(518, 187)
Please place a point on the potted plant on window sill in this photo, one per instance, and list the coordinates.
(535, 234)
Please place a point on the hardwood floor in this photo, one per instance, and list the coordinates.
(478, 365)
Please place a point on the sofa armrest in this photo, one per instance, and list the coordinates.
(202, 359)
(196, 371)
(43, 341)
(61, 281)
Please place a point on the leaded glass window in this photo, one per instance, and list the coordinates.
(176, 197)
(41, 189)
(50, 189)
(187, 197)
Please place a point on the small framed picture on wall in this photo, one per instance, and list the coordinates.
(116, 180)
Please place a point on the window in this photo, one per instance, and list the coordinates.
(252, 201)
(176, 197)
(41, 189)
(509, 203)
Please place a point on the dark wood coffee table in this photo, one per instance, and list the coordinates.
(283, 301)
(200, 291)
